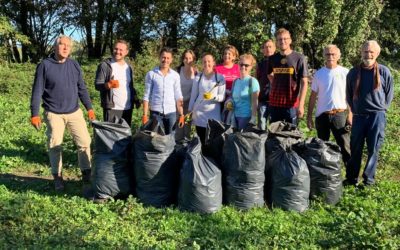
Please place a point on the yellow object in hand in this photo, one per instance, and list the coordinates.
(229, 106)
(207, 95)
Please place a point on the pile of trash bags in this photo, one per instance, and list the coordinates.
(242, 168)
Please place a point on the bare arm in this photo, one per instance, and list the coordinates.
(303, 94)
(145, 107)
(311, 105)
(179, 106)
(254, 103)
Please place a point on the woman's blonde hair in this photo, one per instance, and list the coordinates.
(249, 57)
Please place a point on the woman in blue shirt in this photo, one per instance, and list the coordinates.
(245, 92)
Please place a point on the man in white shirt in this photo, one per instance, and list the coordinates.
(332, 114)
(162, 94)
(114, 80)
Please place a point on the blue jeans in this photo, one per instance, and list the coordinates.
(168, 120)
(242, 122)
(283, 114)
(263, 113)
(368, 128)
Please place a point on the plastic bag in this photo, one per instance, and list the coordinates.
(200, 188)
(112, 143)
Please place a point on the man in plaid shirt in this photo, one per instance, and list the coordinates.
(288, 73)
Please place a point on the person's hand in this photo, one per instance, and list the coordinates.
(145, 119)
(113, 84)
(229, 105)
(36, 122)
(91, 114)
(253, 120)
(310, 122)
(207, 95)
(181, 121)
(300, 112)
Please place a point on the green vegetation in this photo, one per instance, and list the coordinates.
(32, 215)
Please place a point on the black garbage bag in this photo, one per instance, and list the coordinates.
(216, 134)
(200, 188)
(156, 171)
(290, 179)
(243, 168)
(282, 133)
(112, 145)
(324, 164)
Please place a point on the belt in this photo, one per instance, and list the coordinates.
(334, 111)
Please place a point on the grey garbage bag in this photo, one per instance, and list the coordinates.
(243, 168)
(112, 145)
(156, 172)
(200, 188)
(324, 164)
(216, 134)
(290, 179)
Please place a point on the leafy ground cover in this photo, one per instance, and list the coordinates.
(32, 215)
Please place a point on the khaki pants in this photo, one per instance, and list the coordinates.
(76, 125)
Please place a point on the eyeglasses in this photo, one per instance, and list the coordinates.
(245, 65)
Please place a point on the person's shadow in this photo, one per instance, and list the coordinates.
(41, 185)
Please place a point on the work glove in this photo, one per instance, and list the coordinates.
(145, 119)
(181, 121)
(188, 118)
(207, 95)
(36, 122)
(91, 115)
(229, 105)
(113, 84)
(253, 120)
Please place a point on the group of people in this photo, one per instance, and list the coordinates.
(350, 104)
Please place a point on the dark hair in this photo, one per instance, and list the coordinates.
(178, 69)
(166, 50)
(122, 41)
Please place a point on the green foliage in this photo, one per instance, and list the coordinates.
(32, 215)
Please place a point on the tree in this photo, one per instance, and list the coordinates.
(9, 37)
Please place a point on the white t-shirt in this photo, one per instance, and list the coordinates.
(330, 85)
(122, 94)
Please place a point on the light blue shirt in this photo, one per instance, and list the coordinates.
(241, 97)
(162, 92)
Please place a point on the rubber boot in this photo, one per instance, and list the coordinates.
(86, 175)
(58, 183)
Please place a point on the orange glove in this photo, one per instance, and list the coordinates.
(36, 122)
(91, 114)
(181, 121)
(145, 119)
(112, 84)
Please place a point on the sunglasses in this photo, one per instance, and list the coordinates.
(245, 65)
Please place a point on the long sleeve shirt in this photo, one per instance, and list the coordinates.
(369, 100)
(162, 92)
(60, 86)
(203, 110)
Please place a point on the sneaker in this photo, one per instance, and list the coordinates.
(86, 175)
(58, 183)
(347, 183)
(99, 200)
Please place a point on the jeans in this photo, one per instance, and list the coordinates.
(167, 120)
(263, 114)
(110, 114)
(368, 128)
(336, 123)
(242, 122)
(283, 114)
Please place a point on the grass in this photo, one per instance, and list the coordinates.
(32, 215)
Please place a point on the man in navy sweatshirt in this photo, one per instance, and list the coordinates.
(59, 84)
(369, 92)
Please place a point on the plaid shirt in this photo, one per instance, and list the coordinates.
(288, 72)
